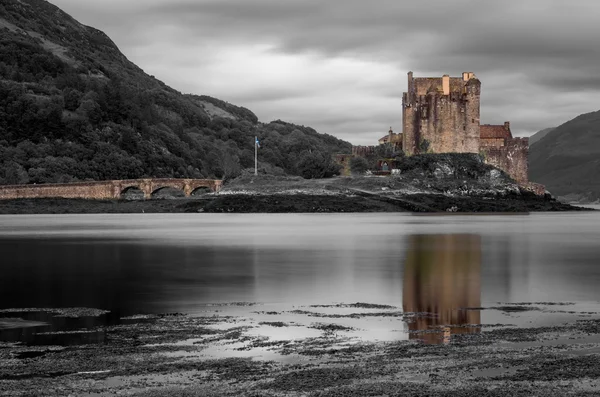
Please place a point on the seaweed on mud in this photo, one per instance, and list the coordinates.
(358, 305)
(588, 326)
(515, 308)
(351, 315)
(233, 333)
(553, 368)
(316, 346)
(278, 324)
(330, 328)
(265, 343)
(306, 312)
(506, 334)
(314, 379)
(408, 389)
(59, 312)
(537, 303)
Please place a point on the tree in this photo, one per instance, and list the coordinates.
(317, 165)
(231, 166)
(15, 174)
(358, 165)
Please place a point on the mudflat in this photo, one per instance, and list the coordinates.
(317, 350)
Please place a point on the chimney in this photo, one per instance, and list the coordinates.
(446, 84)
(507, 125)
(467, 76)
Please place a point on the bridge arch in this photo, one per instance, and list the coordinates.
(132, 192)
(166, 191)
(201, 190)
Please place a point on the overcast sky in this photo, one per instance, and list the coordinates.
(340, 66)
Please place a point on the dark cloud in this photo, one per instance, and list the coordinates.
(537, 59)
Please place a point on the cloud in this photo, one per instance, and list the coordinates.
(340, 66)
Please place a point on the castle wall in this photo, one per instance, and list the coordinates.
(511, 158)
(344, 161)
(497, 142)
(409, 135)
(363, 151)
(447, 122)
(472, 122)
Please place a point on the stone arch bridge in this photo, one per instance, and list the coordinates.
(107, 189)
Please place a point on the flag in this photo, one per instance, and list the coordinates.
(257, 142)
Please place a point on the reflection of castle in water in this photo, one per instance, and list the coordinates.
(441, 276)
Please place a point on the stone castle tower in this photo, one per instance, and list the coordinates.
(441, 114)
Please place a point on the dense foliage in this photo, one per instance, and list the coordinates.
(72, 107)
(358, 165)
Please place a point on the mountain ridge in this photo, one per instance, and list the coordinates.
(567, 159)
(540, 135)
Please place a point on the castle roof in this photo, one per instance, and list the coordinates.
(395, 137)
(488, 131)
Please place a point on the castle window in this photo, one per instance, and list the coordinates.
(472, 120)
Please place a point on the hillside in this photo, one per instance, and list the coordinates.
(74, 108)
(567, 159)
(539, 135)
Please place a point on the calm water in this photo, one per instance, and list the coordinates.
(132, 264)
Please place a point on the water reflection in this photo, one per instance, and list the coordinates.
(441, 277)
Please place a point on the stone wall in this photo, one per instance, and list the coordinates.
(497, 142)
(97, 190)
(511, 158)
(344, 161)
(363, 151)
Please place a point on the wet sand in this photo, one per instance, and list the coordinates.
(247, 349)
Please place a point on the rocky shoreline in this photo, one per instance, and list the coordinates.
(291, 203)
(220, 354)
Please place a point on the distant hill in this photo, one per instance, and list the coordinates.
(539, 135)
(73, 107)
(567, 159)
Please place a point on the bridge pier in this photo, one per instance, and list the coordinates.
(187, 188)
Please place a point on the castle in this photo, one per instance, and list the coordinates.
(441, 114)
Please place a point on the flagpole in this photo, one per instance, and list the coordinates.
(255, 156)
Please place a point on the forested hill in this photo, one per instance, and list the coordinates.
(72, 107)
